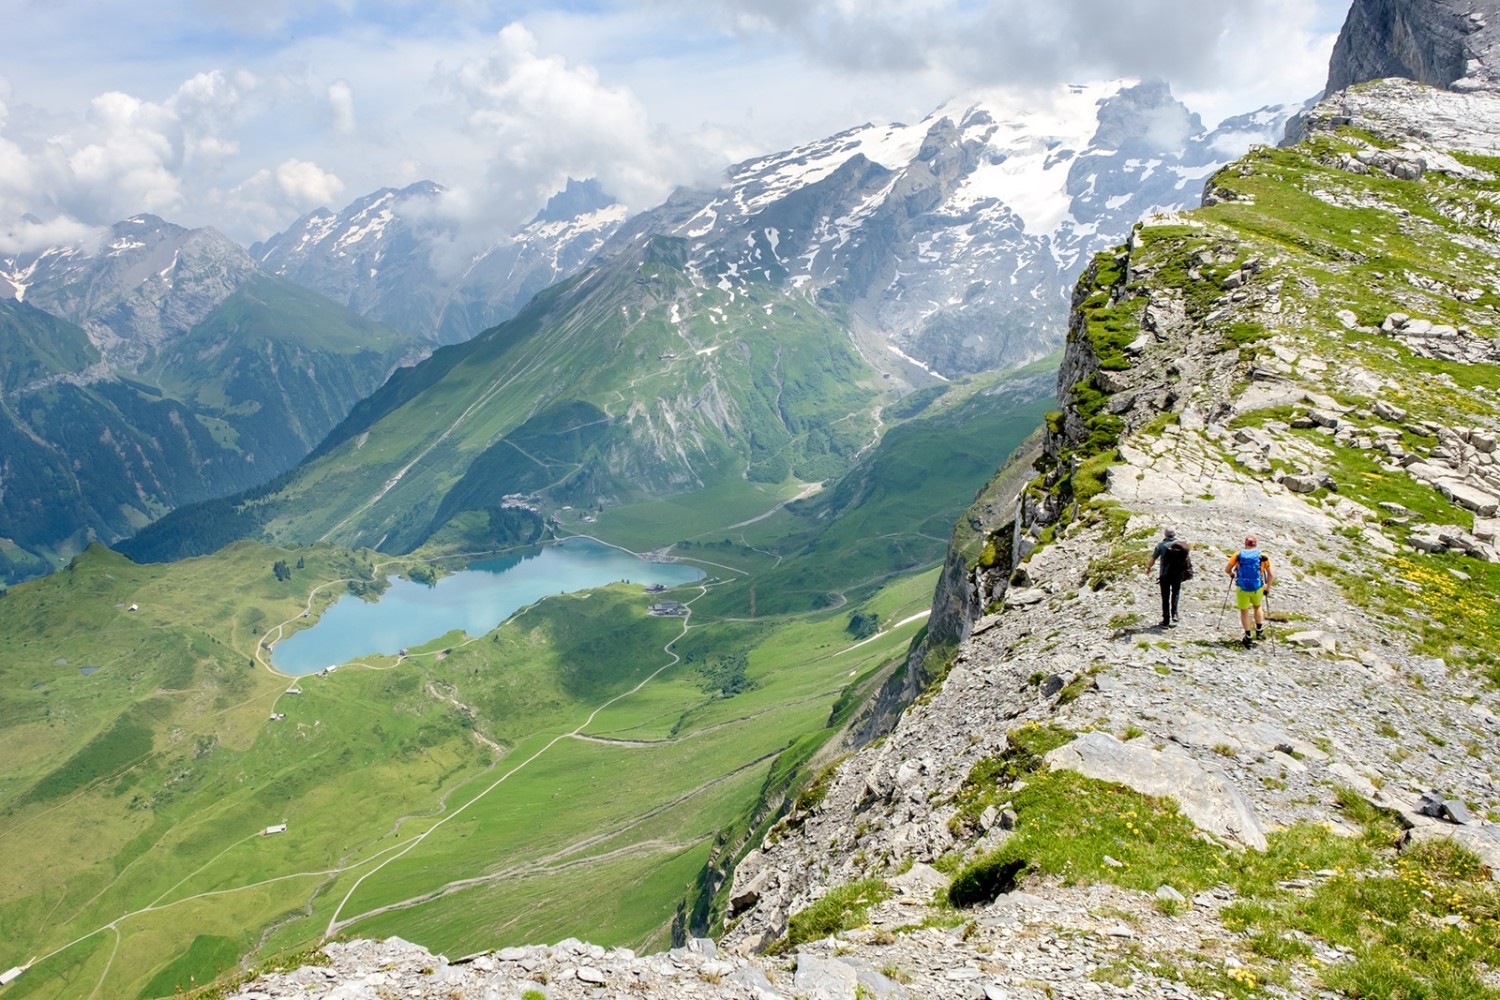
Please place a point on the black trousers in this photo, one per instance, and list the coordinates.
(1170, 591)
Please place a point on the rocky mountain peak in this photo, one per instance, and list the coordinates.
(146, 281)
(578, 198)
(1145, 120)
(382, 257)
(1442, 43)
(952, 240)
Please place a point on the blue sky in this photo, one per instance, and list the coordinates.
(244, 115)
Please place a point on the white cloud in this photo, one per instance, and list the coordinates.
(543, 120)
(1271, 50)
(128, 156)
(642, 94)
(22, 236)
(269, 198)
(341, 103)
(307, 185)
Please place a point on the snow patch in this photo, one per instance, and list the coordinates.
(911, 360)
(375, 227)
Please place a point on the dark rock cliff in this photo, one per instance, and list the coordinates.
(1442, 43)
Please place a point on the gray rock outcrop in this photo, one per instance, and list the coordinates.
(1206, 794)
(1442, 43)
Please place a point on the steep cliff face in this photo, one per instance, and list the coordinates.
(1442, 43)
(1309, 358)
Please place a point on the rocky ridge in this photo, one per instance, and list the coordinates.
(1241, 369)
(390, 256)
(1248, 442)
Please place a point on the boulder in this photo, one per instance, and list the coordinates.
(1323, 418)
(1469, 497)
(825, 979)
(1313, 640)
(1024, 597)
(919, 882)
(1302, 483)
(1206, 794)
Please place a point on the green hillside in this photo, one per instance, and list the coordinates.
(629, 383)
(476, 792)
(95, 452)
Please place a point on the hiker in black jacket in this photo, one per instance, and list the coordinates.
(1176, 566)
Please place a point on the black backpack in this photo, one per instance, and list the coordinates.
(1177, 562)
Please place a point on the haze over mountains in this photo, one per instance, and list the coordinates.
(943, 248)
(947, 239)
(381, 257)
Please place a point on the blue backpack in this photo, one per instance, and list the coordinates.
(1248, 576)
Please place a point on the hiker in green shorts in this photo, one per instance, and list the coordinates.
(1250, 569)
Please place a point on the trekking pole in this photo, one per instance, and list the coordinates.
(1225, 608)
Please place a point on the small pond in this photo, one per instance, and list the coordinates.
(474, 600)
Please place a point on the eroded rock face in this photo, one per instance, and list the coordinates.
(1443, 43)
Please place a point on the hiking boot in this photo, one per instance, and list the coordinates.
(1260, 632)
(1246, 640)
(1165, 623)
(1176, 617)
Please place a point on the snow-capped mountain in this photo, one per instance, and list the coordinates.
(156, 367)
(952, 242)
(386, 257)
(147, 281)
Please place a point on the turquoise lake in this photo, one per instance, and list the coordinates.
(474, 600)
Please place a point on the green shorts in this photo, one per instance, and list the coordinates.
(1247, 599)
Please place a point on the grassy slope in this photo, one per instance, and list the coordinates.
(1375, 245)
(701, 387)
(367, 761)
(358, 751)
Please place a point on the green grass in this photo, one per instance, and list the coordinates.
(206, 958)
(1421, 923)
(844, 907)
(643, 525)
(146, 783)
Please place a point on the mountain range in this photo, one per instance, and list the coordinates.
(945, 240)
(739, 334)
(161, 368)
(938, 248)
(920, 729)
